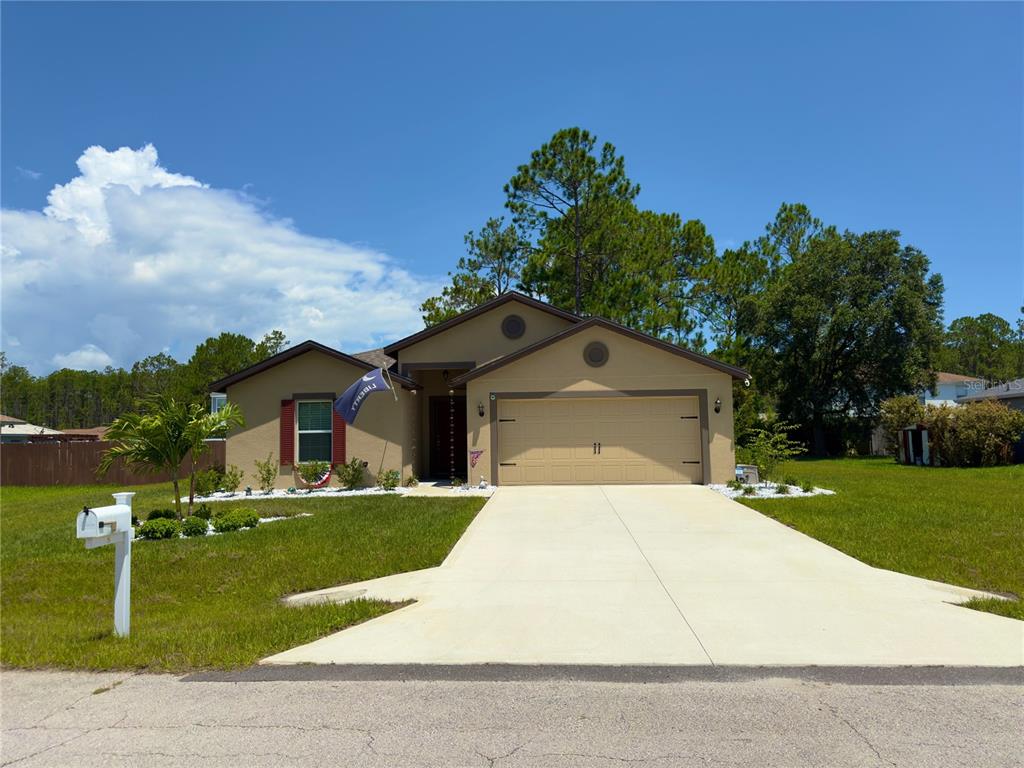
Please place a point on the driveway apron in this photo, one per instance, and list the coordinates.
(668, 575)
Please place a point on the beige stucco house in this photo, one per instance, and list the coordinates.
(514, 391)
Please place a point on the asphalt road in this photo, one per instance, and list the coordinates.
(560, 718)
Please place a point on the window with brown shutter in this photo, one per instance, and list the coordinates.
(338, 440)
(287, 442)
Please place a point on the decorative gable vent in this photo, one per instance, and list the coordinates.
(513, 326)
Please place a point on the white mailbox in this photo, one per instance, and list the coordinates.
(113, 525)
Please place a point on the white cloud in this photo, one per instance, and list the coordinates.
(128, 259)
(28, 173)
(88, 357)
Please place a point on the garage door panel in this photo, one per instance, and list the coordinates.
(643, 440)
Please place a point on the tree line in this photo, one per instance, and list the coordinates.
(829, 321)
(67, 399)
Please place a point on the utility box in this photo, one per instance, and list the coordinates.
(747, 474)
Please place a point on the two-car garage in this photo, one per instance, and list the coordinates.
(607, 440)
(599, 403)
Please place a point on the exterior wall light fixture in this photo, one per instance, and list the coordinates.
(718, 405)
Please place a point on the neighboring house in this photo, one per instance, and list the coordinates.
(1009, 393)
(85, 434)
(14, 430)
(950, 387)
(514, 391)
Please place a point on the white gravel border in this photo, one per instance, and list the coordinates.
(768, 491)
(341, 493)
(281, 493)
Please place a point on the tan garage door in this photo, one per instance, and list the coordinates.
(599, 440)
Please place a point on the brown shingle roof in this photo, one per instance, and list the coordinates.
(375, 357)
(950, 378)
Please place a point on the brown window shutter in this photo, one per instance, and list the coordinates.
(287, 432)
(337, 439)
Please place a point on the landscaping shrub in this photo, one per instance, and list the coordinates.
(978, 434)
(159, 528)
(231, 479)
(350, 475)
(235, 519)
(266, 473)
(749, 490)
(194, 526)
(412, 481)
(771, 446)
(790, 480)
(782, 489)
(209, 480)
(898, 413)
(807, 487)
(312, 472)
(735, 485)
(203, 511)
(389, 479)
(162, 514)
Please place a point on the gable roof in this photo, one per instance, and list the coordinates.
(376, 358)
(301, 349)
(600, 322)
(487, 306)
(942, 377)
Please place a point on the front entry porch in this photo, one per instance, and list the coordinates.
(446, 426)
(440, 423)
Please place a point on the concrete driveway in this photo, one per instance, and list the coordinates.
(656, 575)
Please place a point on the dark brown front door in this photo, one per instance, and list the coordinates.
(448, 437)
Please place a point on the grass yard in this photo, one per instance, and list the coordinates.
(960, 526)
(209, 602)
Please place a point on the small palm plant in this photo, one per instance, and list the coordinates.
(203, 426)
(162, 435)
(154, 440)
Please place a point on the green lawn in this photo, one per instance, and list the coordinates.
(960, 526)
(201, 603)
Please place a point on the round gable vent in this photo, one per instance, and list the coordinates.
(595, 354)
(513, 326)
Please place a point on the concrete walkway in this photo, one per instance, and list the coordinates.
(656, 575)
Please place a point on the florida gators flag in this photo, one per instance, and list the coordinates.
(347, 406)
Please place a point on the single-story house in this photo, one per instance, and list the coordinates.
(15, 430)
(1009, 393)
(514, 391)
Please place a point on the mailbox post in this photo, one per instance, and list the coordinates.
(113, 525)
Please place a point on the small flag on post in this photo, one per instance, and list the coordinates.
(347, 406)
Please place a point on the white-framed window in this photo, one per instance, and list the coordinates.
(217, 401)
(314, 422)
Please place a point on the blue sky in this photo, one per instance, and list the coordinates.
(369, 138)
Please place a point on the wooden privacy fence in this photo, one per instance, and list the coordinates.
(76, 463)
